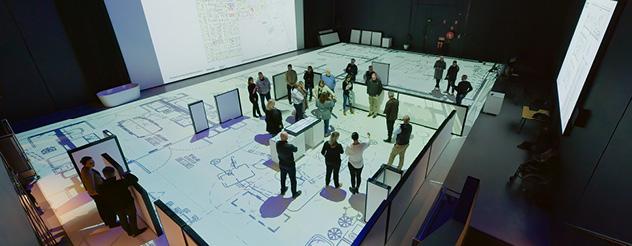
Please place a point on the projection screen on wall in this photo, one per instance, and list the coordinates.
(581, 53)
(164, 40)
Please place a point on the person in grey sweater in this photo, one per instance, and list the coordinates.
(325, 105)
(263, 88)
(439, 66)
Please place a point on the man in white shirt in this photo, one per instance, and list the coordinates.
(297, 100)
(355, 151)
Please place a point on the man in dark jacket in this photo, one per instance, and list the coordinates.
(402, 139)
(374, 89)
(287, 165)
(390, 110)
(116, 194)
(439, 66)
(451, 77)
(367, 74)
(462, 89)
(352, 69)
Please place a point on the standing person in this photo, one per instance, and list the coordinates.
(117, 196)
(297, 99)
(329, 79)
(308, 77)
(322, 89)
(325, 105)
(462, 89)
(263, 87)
(401, 142)
(451, 77)
(439, 66)
(374, 89)
(290, 78)
(332, 151)
(355, 151)
(352, 69)
(347, 92)
(287, 164)
(390, 110)
(274, 118)
(91, 180)
(367, 74)
(252, 95)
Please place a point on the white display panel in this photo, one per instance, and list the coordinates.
(376, 39)
(96, 150)
(355, 36)
(366, 37)
(375, 194)
(193, 37)
(228, 105)
(581, 53)
(382, 71)
(198, 116)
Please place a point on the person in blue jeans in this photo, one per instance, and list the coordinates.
(347, 92)
(325, 105)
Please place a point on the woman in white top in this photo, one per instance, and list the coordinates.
(356, 162)
(297, 100)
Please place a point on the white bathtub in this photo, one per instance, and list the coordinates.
(119, 95)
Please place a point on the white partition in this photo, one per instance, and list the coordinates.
(431, 113)
(142, 202)
(279, 86)
(406, 193)
(228, 105)
(329, 39)
(171, 228)
(376, 39)
(354, 38)
(376, 192)
(366, 37)
(382, 70)
(391, 176)
(198, 116)
(386, 42)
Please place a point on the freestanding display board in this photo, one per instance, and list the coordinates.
(100, 151)
(228, 105)
(382, 70)
(198, 116)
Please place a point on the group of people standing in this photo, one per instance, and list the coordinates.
(111, 195)
(462, 89)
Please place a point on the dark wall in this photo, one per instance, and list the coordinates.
(596, 164)
(491, 30)
(317, 15)
(53, 60)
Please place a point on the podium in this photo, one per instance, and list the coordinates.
(494, 103)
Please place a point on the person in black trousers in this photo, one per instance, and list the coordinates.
(274, 118)
(117, 196)
(352, 69)
(332, 151)
(287, 165)
(92, 179)
(462, 89)
(252, 95)
(451, 77)
(439, 66)
(391, 110)
(308, 77)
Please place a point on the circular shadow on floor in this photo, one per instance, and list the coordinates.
(263, 139)
(357, 202)
(333, 194)
(274, 206)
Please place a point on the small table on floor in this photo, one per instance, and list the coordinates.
(528, 114)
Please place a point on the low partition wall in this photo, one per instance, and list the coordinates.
(424, 111)
(378, 187)
(402, 194)
(171, 223)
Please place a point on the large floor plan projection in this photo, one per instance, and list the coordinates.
(222, 181)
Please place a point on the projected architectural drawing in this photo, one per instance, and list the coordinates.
(222, 181)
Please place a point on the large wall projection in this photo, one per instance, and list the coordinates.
(581, 53)
(164, 40)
